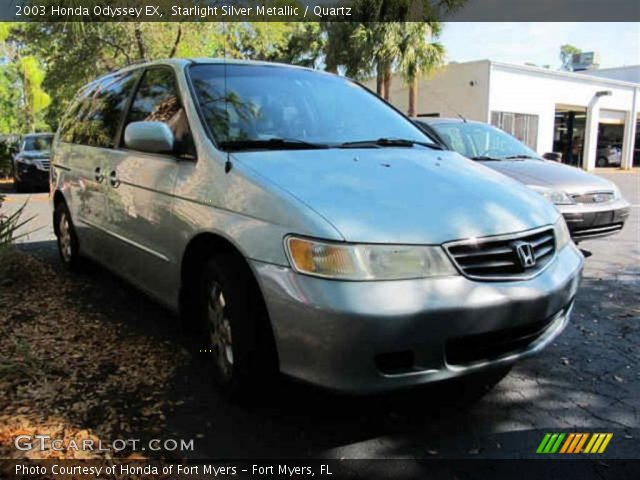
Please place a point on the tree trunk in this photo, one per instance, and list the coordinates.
(413, 97)
(387, 81)
(379, 81)
(331, 68)
(174, 49)
(139, 41)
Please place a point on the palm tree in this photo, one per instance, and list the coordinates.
(419, 55)
(379, 41)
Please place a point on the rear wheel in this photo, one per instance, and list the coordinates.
(235, 332)
(602, 162)
(67, 238)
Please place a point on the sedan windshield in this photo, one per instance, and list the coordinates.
(480, 141)
(273, 107)
(39, 143)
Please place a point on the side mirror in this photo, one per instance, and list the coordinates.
(152, 137)
(555, 156)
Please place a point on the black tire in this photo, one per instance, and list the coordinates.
(602, 162)
(67, 240)
(19, 186)
(241, 355)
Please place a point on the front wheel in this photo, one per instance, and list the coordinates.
(602, 162)
(235, 333)
(67, 238)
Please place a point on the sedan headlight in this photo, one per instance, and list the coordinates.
(344, 261)
(557, 197)
(25, 160)
(563, 236)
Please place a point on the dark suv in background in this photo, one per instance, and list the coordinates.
(31, 163)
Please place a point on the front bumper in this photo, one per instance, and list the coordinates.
(371, 336)
(586, 221)
(33, 175)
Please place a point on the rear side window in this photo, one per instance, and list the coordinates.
(94, 119)
(157, 99)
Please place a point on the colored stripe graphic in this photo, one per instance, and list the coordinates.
(606, 441)
(543, 443)
(573, 443)
(581, 443)
(567, 442)
(577, 439)
(591, 443)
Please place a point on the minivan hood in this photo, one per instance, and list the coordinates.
(402, 195)
(551, 174)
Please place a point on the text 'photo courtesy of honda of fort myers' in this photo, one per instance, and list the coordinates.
(360, 256)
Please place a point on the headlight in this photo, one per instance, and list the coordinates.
(25, 160)
(557, 197)
(616, 193)
(366, 262)
(563, 236)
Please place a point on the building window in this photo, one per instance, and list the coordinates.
(521, 125)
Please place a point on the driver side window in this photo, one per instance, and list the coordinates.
(157, 100)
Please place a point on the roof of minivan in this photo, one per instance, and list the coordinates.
(211, 61)
(183, 62)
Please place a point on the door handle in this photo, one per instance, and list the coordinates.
(98, 175)
(113, 179)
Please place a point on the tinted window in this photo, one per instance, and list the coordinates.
(481, 140)
(157, 100)
(71, 123)
(38, 143)
(248, 102)
(95, 118)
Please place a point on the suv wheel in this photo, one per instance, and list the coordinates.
(235, 332)
(602, 162)
(67, 238)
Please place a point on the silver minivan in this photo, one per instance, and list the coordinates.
(300, 224)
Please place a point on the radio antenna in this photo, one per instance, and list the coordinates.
(227, 164)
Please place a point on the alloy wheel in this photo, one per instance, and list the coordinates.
(219, 330)
(64, 238)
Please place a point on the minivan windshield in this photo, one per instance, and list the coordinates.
(275, 107)
(480, 141)
(37, 143)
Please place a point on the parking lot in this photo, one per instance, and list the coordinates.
(587, 381)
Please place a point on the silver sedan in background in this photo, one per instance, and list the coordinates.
(592, 206)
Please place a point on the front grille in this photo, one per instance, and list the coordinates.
(496, 258)
(594, 197)
(600, 230)
(483, 347)
(45, 164)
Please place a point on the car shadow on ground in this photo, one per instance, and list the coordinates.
(7, 187)
(583, 380)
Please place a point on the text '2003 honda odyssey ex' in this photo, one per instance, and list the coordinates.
(354, 255)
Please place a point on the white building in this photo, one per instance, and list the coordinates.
(575, 114)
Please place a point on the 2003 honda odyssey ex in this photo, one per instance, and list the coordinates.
(355, 255)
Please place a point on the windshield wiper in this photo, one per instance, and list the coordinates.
(524, 157)
(484, 158)
(388, 142)
(270, 144)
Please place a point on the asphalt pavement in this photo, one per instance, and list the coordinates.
(586, 381)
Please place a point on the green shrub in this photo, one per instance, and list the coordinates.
(9, 225)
